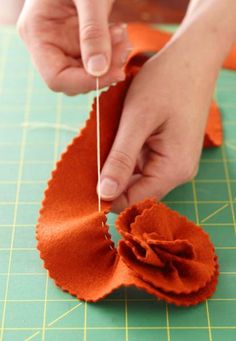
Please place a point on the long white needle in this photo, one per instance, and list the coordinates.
(98, 143)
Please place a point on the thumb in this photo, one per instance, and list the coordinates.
(122, 158)
(95, 38)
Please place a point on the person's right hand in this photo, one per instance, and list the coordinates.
(72, 41)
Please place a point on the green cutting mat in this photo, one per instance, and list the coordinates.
(31, 307)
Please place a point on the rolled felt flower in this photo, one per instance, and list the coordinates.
(167, 250)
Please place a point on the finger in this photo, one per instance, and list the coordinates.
(121, 47)
(63, 74)
(161, 174)
(144, 187)
(121, 160)
(157, 180)
(95, 38)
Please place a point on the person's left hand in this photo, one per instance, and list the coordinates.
(163, 122)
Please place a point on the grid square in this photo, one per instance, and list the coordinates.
(106, 314)
(229, 135)
(43, 114)
(222, 313)
(153, 314)
(211, 171)
(10, 134)
(30, 287)
(225, 334)
(72, 312)
(7, 192)
(5, 236)
(4, 261)
(38, 99)
(39, 135)
(186, 209)
(31, 192)
(229, 148)
(181, 193)
(212, 191)
(192, 317)
(1, 310)
(193, 335)
(221, 235)
(8, 172)
(27, 214)
(39, 152)
(24, 314)
(6, 99)
(227, 96)
(2, 288)
(9, 152)
(76, 121)
(232, 169)
(211, 154)
(227, 260)
(55, 293)
(226, 287)
(233, 189)
(62, 335)
(11, 115)
(26, 262)
(106, 335)
(147, 335)
(6, 214)
(217, 213)
(33, 172)
(24, 237)
(19, 335)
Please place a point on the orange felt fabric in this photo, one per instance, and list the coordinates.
(147, 39)
(160, 251)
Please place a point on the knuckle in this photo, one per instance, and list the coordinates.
(91, 31)
(53, 84)
(120, 160)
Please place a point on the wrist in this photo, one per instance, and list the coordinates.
(209, 28)
(203, 41)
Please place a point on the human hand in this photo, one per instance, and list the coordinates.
(163, 121)
(71, 42)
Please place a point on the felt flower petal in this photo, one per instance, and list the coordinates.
(179, 299)
(188, 267)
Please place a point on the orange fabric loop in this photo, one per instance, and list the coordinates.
(160, 251)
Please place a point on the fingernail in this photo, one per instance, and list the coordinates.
(97, 65)
(108, 188)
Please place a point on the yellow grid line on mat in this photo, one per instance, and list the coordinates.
(56, 146)
(198, 222)
(20, 172)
